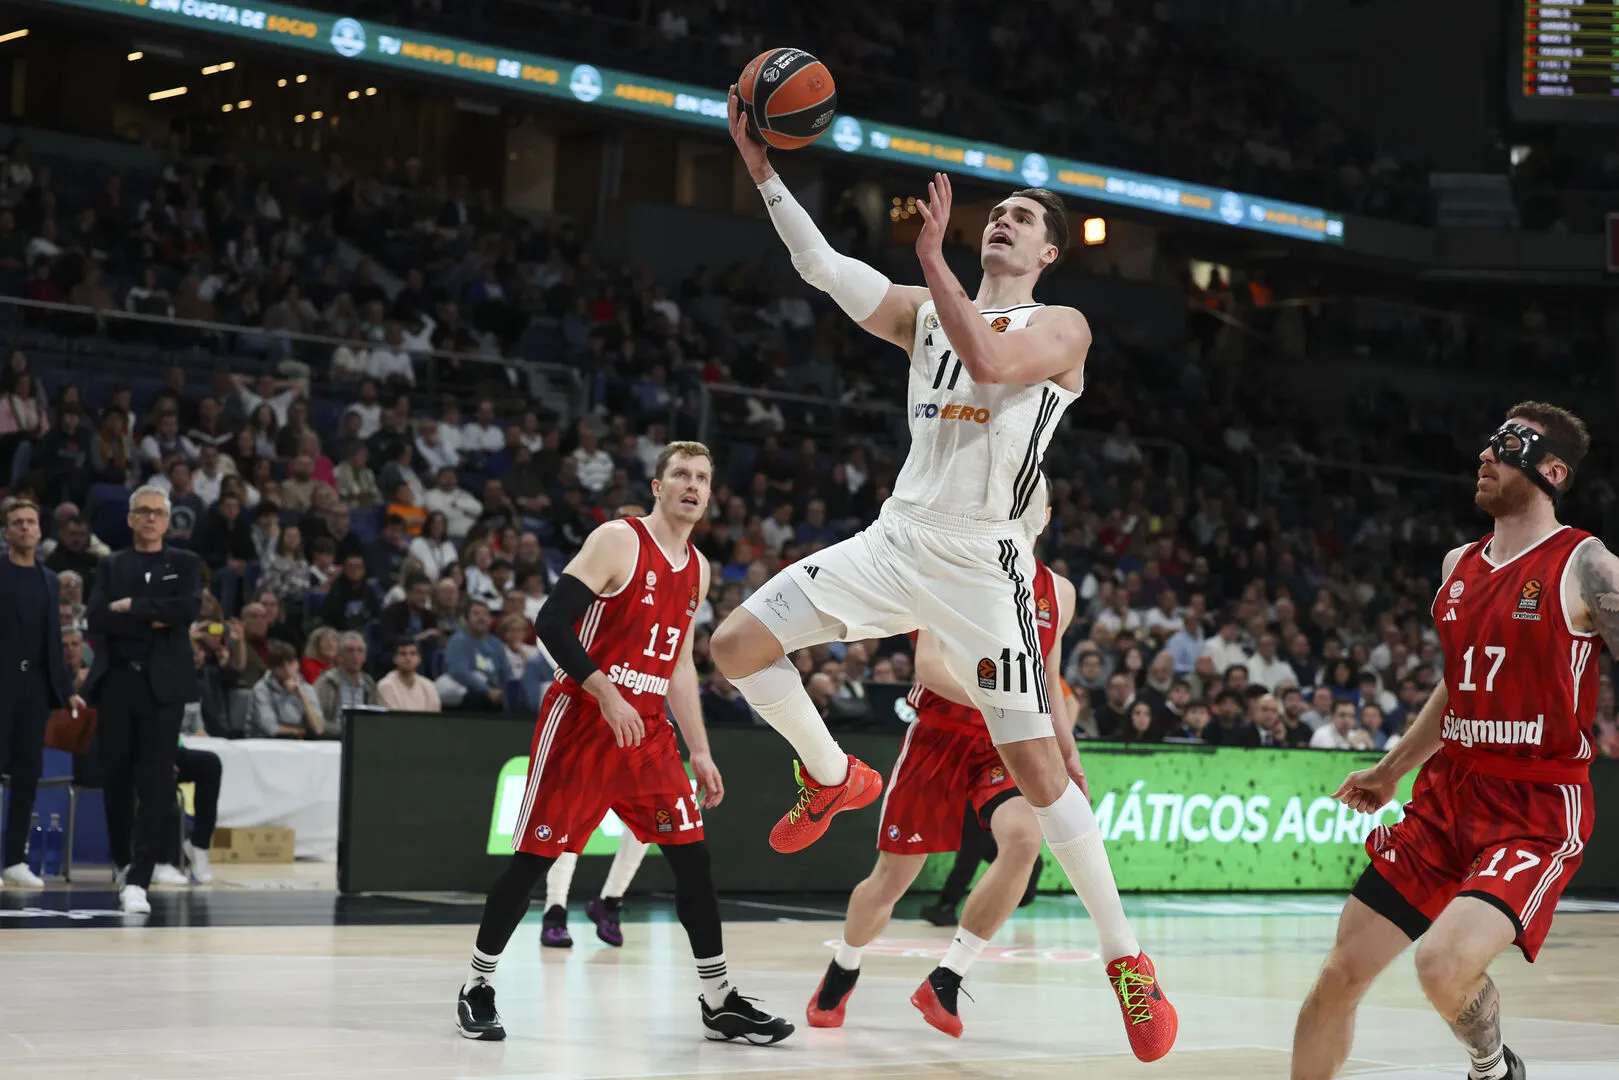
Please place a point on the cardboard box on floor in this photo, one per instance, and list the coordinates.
(259, 844)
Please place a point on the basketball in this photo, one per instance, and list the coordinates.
(789, 97)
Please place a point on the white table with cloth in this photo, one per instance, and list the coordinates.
(281, 782)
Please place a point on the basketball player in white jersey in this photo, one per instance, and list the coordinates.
(951, 550)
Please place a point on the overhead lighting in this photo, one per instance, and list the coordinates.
(134, 56)
(303, 78)
(215, 69)
(14, 35)
(246, 103)
(227, 107)
(353, 94)
(173, 91)
(316, 115)
(370, 91)
(1095, 231)
(281, 82)
(298, 119)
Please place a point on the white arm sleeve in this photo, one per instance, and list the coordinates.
(855, 287)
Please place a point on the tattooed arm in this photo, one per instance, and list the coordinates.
(1595, 608)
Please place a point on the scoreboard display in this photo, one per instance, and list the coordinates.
(1570, 62)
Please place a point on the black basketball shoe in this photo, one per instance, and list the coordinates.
(738, 1019)
(475, 1015)
(940, 913)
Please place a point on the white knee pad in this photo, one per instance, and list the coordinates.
(788, 614)
(769, 685)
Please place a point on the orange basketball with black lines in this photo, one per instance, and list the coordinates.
(789, 97)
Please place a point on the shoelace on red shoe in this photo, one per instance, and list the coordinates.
(1134, 988)
(806, 794)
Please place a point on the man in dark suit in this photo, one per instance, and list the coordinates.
(33, 678)
(140, 613)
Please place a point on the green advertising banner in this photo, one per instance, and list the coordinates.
(1205, 819)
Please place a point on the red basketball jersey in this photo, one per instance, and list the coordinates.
(635, 634)
(939, 712)
(1522, 681)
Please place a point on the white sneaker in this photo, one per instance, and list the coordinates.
(19, 876)
(165, 874)
(132, 901)
(202, 871)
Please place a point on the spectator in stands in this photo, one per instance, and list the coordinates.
(330, 519)
(1187, 643)
(225, 542)
(412, 619)
(595, 465)
(1368, 731)
(402, 689)
(402, 504)
(433, 547)
(1267, 669)
(284, 706)
(345, 685)
(351, 601)
(385, 556)
(514, 633)
(186, 508)
(431, 449)
(320, 655)
(1335, 734)
(531, 583)
(71, 590)
(483, 436)
(166, 442)
(1193, 723)
(1293, 731)
(356, 483)
(1113, 715)
(73, 551)
(112, 451)
(460, 508)
(257, 641)
(298, 489)
(476, 661)
(286, 572)
(1225, 649)
(476, 560)
(1140, 726)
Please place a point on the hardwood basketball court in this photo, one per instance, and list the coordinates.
(269, 973)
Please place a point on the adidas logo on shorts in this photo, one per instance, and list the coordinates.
(916, 838)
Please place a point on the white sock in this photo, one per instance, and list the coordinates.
(963, 951)
(716, 983)
(1491, 1067)
(777, 694)
(483, 969)
(628, 860)
(559, 879)
(848, 956)
(1072, 834)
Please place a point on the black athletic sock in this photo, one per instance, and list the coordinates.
(836, 986)
(508, 901)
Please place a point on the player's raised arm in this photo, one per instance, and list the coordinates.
(686, 703)
(607, 556)
(865, 294)
(1052, 345)
(1596, 575)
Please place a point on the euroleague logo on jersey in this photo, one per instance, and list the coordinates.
(691, 606)
(1529, 601)
(986, 674)
(1042, 611)
(1000, 324)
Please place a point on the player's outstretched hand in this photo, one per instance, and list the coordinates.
(710, 788)
(935, 211)
(753, 151)
(628, 728)
(1366, 790)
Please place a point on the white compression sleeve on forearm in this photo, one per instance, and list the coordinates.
(853, 286)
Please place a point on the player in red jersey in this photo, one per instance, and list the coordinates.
(1502, 808)
(617, 624)
(947, 760)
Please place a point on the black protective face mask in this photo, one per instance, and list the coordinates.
(1523, 448)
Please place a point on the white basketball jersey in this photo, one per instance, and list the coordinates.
(976, 450)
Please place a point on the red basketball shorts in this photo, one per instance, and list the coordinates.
(938, 771)
(1511, 843)
(576, 773)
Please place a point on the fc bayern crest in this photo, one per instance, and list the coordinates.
(1456, 590)
(651, 579)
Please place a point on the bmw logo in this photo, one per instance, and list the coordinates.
(846, 134)
(543, 832)
(1035, 170)
(348, 37)
(1231, 208)
(893, 832)
(586, 83)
